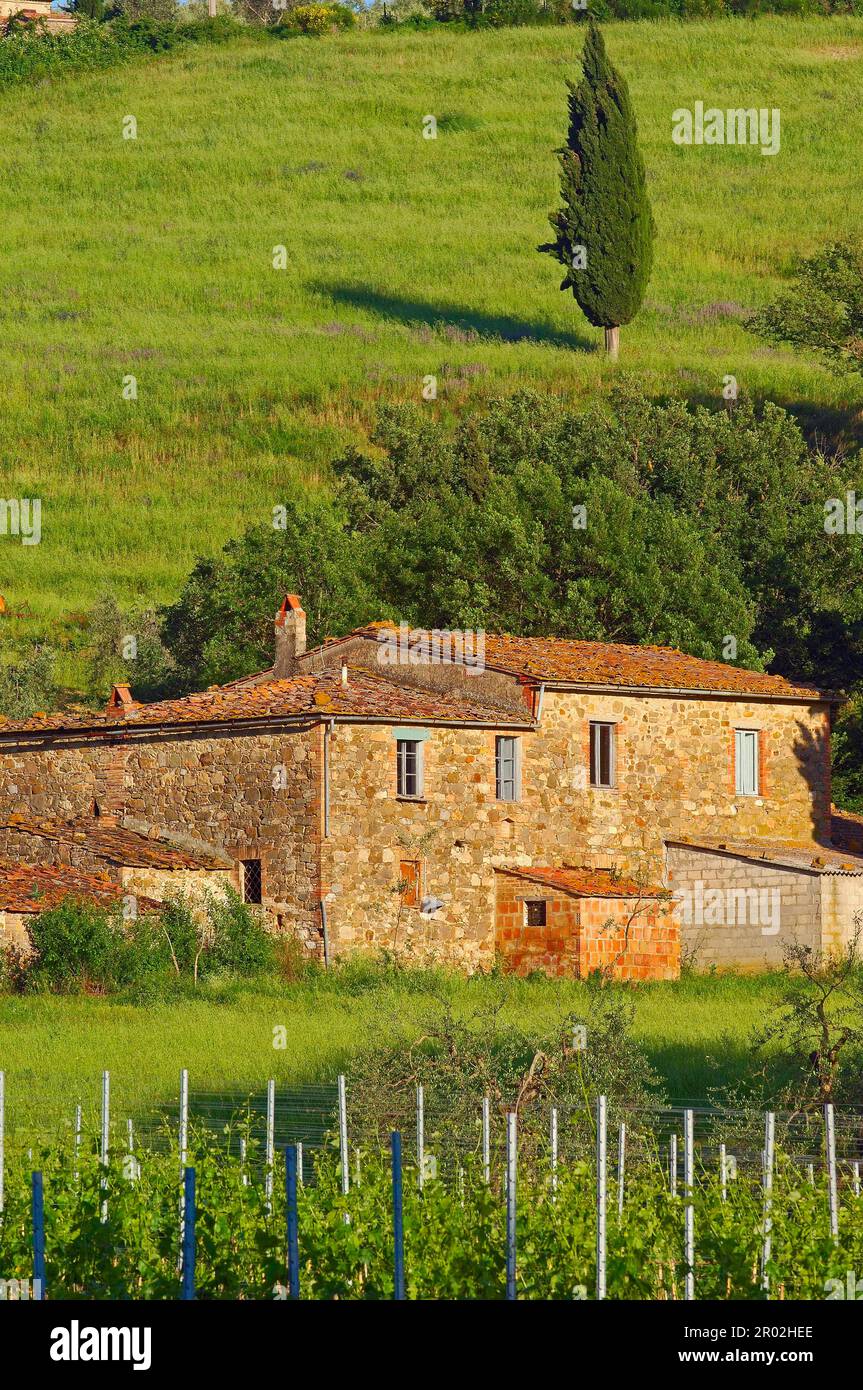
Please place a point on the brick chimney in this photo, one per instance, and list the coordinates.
(121, 701)
(290, 637)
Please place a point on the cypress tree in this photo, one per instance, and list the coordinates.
(604, 230)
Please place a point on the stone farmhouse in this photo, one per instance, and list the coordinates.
(37, 12)
(566, 805)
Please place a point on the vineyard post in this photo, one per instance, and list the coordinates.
(856, 1171)
(767, 1183)
(356, 1166)
(511, 1172)
(811, 1169)
(621, 1167)
(293, 1232)
(189, 1215)
(689, 1194)
(553, 1153)
(270, 1153)
(601, 1191)
(420, 1135)
(134, 1167)
(243, 1163)
(300, 1164)
(77, 1146)
(723, 1172)
(106, 1119)
(2, 1137)
(343, 1137)
(672, 1163)
(183, 1144)
(486, 1140)
(830, 1127)
(398, 1220)
(38, 1207)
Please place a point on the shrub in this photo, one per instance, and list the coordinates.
(239, 941)
(318, 19)
(82, 947)
(77, 947)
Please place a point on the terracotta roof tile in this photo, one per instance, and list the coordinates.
(567, 661)
(116, 845)
(588, 883)
(366, 695)
(24, 888)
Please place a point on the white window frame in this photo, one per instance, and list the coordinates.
(596, 725)
(516, 767)
(401, 769)
(747, 750)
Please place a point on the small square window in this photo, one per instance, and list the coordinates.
(409, 767)
(534, 912)
(409, 882)
(602, 757)
(506, 768)
(746, 762)
(252, 881)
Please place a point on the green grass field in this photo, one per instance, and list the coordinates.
(696, 1034)
(152, 258)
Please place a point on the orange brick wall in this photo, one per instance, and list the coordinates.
(578, 937)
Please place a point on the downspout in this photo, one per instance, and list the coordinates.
(326, 935)
(328, 729)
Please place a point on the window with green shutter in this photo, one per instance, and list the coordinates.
(506, 768)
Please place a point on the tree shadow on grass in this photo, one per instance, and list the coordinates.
(454, 320)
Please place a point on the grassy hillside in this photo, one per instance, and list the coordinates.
(696, 1035)
(406, 257)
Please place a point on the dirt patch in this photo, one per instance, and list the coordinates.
(838, 53)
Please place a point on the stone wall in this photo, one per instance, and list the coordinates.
(255, 795)
(259, 795)
(674, 778)
(194, 884)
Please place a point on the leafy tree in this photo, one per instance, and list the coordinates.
(818, 1024)
(221, 626)
(824, 308)
(125, 647)
(27, 685)
(604, 230)
(92, 9)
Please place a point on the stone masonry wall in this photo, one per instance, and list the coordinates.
(259, 795)
(674, 778)
(256, 795)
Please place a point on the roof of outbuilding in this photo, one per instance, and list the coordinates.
(568, 661)
(367, 695)
(115, 844)
(25, 888)
(588, 883)
(814, 858)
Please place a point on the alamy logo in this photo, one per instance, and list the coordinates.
(730, 907)
(21, 517)
(852, 1288)
(843, 516)
(406, 646)
(77, 1343)
(737, 126)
